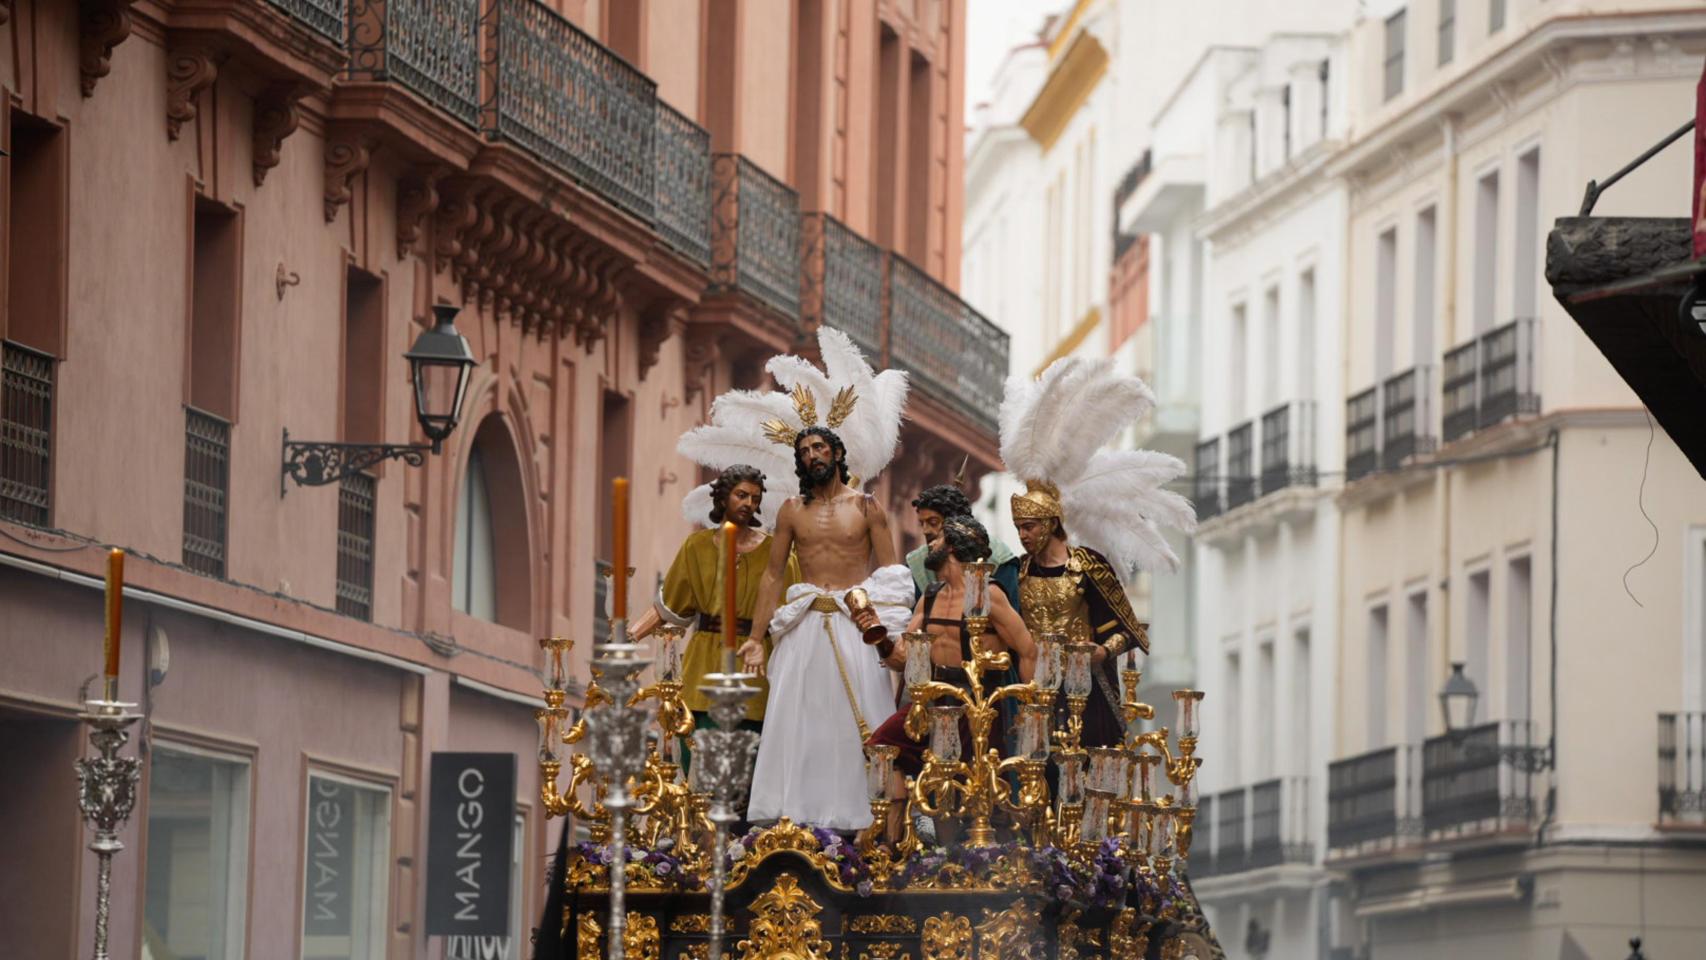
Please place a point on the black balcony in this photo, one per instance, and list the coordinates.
(26, 434)
(1371, 800)
(950, 350)
(1466, 785)
(1288, 447)
(1682, 769)
(1127, 186)
(1240, 465)
(755, 234)
(430, 47)
(1457, 388)
(843, 276)
(1508, 388)
(1406, 416)
(1206, 486)
(207, 485)
(1279, 823)
(575, 104)
(1226, 811)
(1362, 434)
(324, 17)
(683, 198)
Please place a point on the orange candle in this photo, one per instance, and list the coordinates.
(115, 609)
(730, 532)
(619, 571)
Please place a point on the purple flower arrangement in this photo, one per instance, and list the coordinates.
(849, 864)
(659, 862)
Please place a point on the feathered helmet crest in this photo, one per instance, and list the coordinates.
(1052, 430)
(760, 426)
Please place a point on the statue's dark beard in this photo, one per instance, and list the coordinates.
(820, 473)
(935, 559)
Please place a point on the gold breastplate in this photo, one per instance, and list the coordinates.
(1055, 605)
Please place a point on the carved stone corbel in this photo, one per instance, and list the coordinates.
(417, 199)
(101, 26)
(456, 213)
(347, 156)
(698, 358)
(189, 71)
(277, 114)
(665, 318)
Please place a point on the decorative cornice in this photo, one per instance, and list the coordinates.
(1069, 84)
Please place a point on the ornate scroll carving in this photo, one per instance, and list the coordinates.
(784, 924)
(1071, 936)
(101, 26)
(456, 213)
(417, 199)
(691, 923)
(1128, 938)
(658, 324)
(947, 937)
(587, 935)
(347, 156)
(897, 923)
(189, 71)
(276, 117)
(1012, 934)
(640, 941)
(697, 360)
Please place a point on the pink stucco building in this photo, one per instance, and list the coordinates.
(228, 219)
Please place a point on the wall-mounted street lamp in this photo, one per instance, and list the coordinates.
(439, 364)
(1457, 701)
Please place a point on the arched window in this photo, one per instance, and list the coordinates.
(474, 570)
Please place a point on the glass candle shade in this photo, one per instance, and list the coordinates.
(879, 765)
(1186, 794)
(1094, 827)
(1077, 679)
(1146, 776)
(669, 653)
(1071, 765)
(1033, 731)
(1187, 700)
(918, 645)
(945, 732)
(1163, 845)
(547, 719)
(1047, 675)
(556, 662)
(977, 576)
(1122, 776)
(610, 591)
(1102, 768)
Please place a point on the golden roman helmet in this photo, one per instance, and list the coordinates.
(1040, 501)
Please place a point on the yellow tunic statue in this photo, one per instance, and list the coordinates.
(692, 589)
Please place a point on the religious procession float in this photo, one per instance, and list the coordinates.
(1053, 837)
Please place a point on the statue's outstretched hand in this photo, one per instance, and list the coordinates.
(752, 656)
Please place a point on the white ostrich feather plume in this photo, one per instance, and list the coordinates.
(1115, 502)
(736, 433)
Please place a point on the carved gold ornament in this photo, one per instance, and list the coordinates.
(881, 951)
(883, 923)
(1071, 936)
(1012, 934)
(640, 941)
(788, 837)
(785, 926)
(1125, 942)
(778, 431)
(1189, 945)
(691, 923)
(586, 938)
(947, 937)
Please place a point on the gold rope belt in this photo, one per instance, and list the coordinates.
(827, 606)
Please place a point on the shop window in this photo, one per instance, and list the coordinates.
(346, 869)
(198, 855)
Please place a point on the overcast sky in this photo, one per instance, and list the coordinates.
(992, 27)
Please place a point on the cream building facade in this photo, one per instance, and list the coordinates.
(1499, 483)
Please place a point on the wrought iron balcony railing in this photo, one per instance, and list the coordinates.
(1279, 823)
(755, 234)
(1374, 801)
(1467, 788)
(1288, 446)
(1362, 434)
(683, 204)
(356, 500)
(1508, 387)
(1406, 416)
(1241, 465)
(1203, 839)
(1682, 769)
(430, 47)
(843, 278)
(328, 18)
(26, 434)
(950, 349)
(1458, 391)
(575, 104)
(1206, 483)
(207, 485)
(1229, 834)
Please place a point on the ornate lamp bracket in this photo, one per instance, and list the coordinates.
(315, 464)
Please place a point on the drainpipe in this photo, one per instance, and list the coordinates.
(1442, 481)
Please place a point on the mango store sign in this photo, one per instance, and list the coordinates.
(469, 837)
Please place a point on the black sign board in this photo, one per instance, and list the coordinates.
(329, 896)
(470, 830)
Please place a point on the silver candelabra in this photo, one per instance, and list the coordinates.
(616, 744)
(107, 794)
(722, 768)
